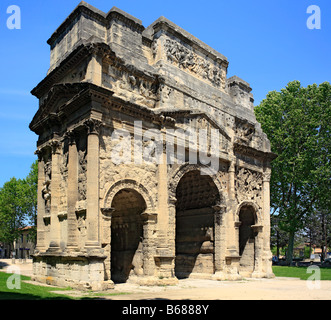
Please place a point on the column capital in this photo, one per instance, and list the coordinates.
(266, 176)
(93, 126)
(55, 146)
(39, 153)
(71, 136)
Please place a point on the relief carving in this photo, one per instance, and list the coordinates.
(82, 175)
(64, 178)
(81, 226)
(127, 82)
(244, 131)
(46, 190)
(46, 194)
(188, 60)
(248, 185)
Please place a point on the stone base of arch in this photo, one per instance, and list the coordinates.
(79, 271)
(154, 281)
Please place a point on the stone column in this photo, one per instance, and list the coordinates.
(106, 239)
(41, 245)
(72, 191)
(172, 226)
(163, 214)
(232, 244)
(267, 255)
(232, 231)
(92, 184)
(219, 247)
(166, 249)
(148, 245)
(257, 230)
(231, 189)
(237, 225)
(55, 227)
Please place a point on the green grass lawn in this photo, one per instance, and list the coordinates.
(300, 272)
(36, 292)
(27, 291)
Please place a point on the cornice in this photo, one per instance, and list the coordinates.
(82, 93)
(82, 51)
(252, 152)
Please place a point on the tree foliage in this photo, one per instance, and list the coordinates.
(297, 121)
(18, 205)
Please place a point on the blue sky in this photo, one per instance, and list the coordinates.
(267, 43)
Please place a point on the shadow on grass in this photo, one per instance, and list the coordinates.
(26, 296)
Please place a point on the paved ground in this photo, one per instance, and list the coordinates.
(249, 289)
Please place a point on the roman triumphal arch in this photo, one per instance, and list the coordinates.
(152, 166)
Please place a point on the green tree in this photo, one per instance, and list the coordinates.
(11, 214)
(30, 184)
(18, 205)
(29, 201)
(297, 121)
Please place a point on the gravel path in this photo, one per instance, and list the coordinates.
(248, 289)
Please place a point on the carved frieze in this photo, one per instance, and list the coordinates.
(198, 124)
(185, 58)
(128, 82)
(244, 131)
(248, 185)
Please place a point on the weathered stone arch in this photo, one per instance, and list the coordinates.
(195, 253)
(248, 217)
(257, 211)
(129, 184)
(179, 173)
(146, 218)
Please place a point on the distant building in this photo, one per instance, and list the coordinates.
(315, 254)
(24, 246)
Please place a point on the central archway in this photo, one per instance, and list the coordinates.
(126, 235)
(195, 194)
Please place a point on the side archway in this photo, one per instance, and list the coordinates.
(127, 235)
(124, 206)
(248, 217)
